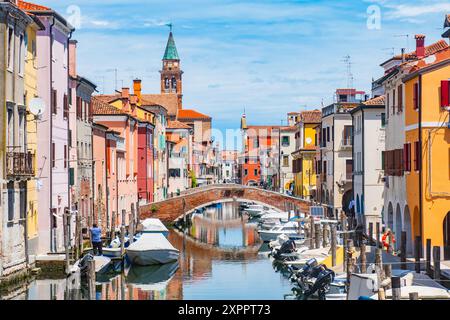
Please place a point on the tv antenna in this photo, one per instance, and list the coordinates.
(348, 61)
(404, 36)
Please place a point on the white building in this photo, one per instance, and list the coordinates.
(336, 148)
(287, 148)
(228, 166)
(368, 147)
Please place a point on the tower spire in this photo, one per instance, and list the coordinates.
(171, 52)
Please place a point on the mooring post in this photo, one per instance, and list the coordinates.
(318, 231)
(417, 253)
(387, 268)
(91, 278)
(428, 257)
(363, 257)
(413, 296)
(381, 294)
(333, 245)
(396, 288)
(66, 222)
(344, 240)
(313, 232)
(324, 235)
(378, 235)
(437, 263)
(379, 264)
(370, 233)
(403, 251)
(349, 261)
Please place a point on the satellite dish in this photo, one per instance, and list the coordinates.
(37, 106)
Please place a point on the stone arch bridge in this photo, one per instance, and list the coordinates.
(171, 209)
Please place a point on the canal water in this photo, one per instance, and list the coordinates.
(221, 257)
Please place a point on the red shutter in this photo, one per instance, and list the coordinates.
(65, 156)
(400, 98)
(407, 157)
(66, 106)
(445, 93)
(54, 101)
(79, 116)
(393, 102)
(416, 96)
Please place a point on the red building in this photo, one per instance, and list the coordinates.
(145, 163)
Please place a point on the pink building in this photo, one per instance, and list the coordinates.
(53, 134)
(100, 181)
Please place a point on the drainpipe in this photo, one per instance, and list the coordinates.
(363, 171)
(106, 183)
(68, 137)
(50, 112)
(421, 163)
(5, 43)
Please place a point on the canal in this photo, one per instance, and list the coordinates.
(221, 257)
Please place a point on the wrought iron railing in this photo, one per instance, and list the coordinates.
(20, 164)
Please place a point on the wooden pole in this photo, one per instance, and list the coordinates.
(91, 278)
(333, 245)
(363, 258)
(349, 261)
(378, 235)
(378, 265)
(428, 257)
(317, 229)
(387, 268)
(344, 240)
(437, 263)
(313, 233)
(403, 251)
(370, 233)
(324, 235)
(396, 288)
(381, 294)
(417, 254)
(66, 222)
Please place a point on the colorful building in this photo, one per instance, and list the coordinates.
(304, 156)
(15, 160)
(426, 150)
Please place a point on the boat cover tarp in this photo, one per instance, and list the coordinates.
(151, 241)
(153, 225)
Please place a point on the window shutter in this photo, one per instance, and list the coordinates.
(393, 102)
(416, 156)
(445, 93)
(405, 157)
(54, 101)
(400, 98)
(66, 106)
(53, 155)
(416, 96)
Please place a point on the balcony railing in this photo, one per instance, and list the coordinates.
(20, 164)
(347, 143)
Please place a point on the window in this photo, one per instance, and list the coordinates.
(416, 156)
(400, 98)
(11, 124)
(349, 169)
(23, 200)
(22, 137)
(54, 101)
(285, 161)
(245, 172)
(285, 141)
(10, 48)
(407, 157)
(393, 102)
(325, 168)
(11, 201)
(445, 93)
(21, 54)
(328, 134)
(66, 107)
(255, 172)
(65, 156)
(53, 151)
(348, 135)
(388, 105)
(383, 120)
(416, 96)
(174, 173)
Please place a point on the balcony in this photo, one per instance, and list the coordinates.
(347, 143)
(20, 165)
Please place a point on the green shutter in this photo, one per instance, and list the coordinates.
(71, 176)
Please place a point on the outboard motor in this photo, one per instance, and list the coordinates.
(324, 277)
(83, 264)
(286, 248)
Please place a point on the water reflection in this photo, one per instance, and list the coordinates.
(221, 258)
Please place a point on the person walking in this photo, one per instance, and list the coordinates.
(96, 239)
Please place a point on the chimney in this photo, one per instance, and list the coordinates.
(420, 46)
(125, 93)
(73, 58)
(137, 88)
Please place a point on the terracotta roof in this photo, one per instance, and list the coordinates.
(177, 125)
(191, 114)
(31, 6)
(293, 113)
(169, 101)
(378, 101)
(287, 129)
(311, 116)
(101, 108)
(107, 98)
(429, 50)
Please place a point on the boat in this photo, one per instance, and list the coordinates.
(254, 210)
(102, 264)
(152, 278)
(289, 228)
(150, 249)
(112, 252)
(152, 225)
(424, 292)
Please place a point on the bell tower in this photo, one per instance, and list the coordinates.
(171, 73)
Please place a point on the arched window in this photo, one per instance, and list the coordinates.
(174, 84)
(166, 83)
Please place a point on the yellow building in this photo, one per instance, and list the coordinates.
(307, 146)
(426, 155)
(31, 92)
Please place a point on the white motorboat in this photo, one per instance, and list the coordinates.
(290, 229)
(254, 210)
(112, 252)
(154, 226)
(150, 249)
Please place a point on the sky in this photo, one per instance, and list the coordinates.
(265, 57)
